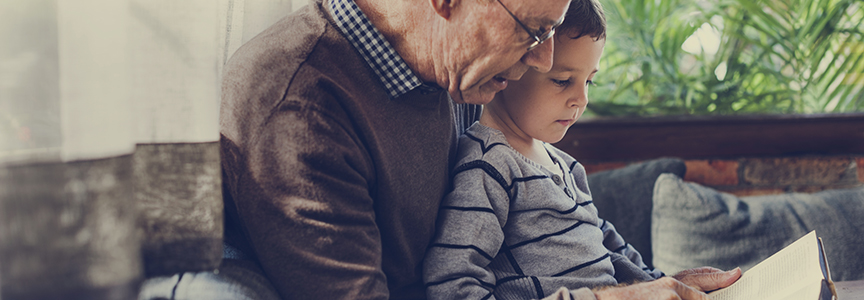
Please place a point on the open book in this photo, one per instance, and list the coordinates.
(798, 272)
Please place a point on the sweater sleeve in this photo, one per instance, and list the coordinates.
(299, 183)
(469, 236)
(612, 240)
(565, 294)
(304, 205)
(616, 244)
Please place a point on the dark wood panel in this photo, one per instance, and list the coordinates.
(714, 137)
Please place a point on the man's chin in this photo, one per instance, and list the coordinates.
(477, 98)
(481, 95)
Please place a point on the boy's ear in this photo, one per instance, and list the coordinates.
(444, 7)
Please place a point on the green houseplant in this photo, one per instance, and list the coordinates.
(731, 57)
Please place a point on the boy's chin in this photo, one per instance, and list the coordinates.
(554, 139)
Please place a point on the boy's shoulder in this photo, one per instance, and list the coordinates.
(480, 142)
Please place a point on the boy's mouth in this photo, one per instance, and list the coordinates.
(567, 122)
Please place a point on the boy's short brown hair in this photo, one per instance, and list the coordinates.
(584, 17)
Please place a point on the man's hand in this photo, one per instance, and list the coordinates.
(688, 285)
(665, 288)
(708, 279)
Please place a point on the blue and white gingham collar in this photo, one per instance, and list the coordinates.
(393, 72)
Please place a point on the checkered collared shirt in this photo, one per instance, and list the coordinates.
(393, 72)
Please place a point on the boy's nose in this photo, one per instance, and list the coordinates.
(578, 99)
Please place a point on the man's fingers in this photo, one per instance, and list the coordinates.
(666, 288)
(678, 290)
(694, 271)
(708, 279)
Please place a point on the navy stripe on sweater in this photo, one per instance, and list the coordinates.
(487, 285)
(563, 212)
(453, 246)
(537, 286)
(619, 249)
(548, 235)
(534, 280)
(510, 258)
(483, 144)
(469, 208)
(492, 172)
(570, 270)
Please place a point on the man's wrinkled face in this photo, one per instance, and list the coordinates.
(492, 48)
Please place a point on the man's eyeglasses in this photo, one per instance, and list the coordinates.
(538, 39)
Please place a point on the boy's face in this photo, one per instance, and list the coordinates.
(544, 105)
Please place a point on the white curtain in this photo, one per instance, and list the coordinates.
(83, 84)
(84, 79)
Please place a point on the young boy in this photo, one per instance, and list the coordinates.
(520, 222)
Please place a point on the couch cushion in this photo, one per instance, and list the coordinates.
(68, 231)
(236, 280)
(178, 191)
(623, 197)
(695, 226)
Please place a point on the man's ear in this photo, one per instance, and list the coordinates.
(444, 7)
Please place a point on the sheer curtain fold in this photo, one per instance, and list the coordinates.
(109, 155)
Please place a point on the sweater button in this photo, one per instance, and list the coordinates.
(556, 179)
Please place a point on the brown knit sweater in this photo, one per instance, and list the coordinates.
(332, 186)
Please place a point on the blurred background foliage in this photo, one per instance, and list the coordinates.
(686, 57)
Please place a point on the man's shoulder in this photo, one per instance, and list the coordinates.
(284, 67)
(283, 45)
(293, 58)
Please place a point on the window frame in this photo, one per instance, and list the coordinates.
(706, 137)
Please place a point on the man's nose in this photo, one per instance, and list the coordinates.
(540, 58)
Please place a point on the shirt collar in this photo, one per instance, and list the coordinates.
(392, 71)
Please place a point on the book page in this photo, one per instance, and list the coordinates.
(791, 273)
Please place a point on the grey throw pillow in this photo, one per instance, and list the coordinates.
(623, 196)
(694, 226)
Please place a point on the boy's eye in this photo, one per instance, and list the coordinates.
(590, 82)
(561, 83)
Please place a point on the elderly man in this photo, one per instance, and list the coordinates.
(338, 133)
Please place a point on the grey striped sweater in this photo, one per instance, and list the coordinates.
(511, 229)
